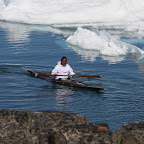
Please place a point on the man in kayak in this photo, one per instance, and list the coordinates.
(62, 68)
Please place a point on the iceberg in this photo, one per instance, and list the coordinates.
(120, 18)
(71, 11)
(103, 42)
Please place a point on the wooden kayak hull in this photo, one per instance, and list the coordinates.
(71, 83)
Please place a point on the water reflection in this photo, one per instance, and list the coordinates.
(113, 60)
(19, 35)
(17, 32)
(91, 55)
(62, 95)
(87, 55)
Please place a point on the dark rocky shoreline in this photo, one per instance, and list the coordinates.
(53, 127)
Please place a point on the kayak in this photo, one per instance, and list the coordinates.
(71, 83)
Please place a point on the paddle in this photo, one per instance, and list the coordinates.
(97, 76)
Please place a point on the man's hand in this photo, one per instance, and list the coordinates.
(54, 74)
(74, 75)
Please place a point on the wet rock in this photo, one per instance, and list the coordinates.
(91, 139)
(14, 126)
(91, 133)
(132, 133)
(53, 127)
(46, 123)
(50, 127)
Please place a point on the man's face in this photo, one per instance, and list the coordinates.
(64, 62)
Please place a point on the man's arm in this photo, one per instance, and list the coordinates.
(71, 72)
(54, 71)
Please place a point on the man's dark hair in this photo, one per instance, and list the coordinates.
(63, 58)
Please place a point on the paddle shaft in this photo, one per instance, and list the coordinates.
(97, 76)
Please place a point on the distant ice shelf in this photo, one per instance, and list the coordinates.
(71, 11)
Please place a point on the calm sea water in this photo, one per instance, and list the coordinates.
(24, 48)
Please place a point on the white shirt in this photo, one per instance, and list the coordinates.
(62, 70)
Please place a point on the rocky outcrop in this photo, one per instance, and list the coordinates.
(53, 127)
(50, 127)
(132, 133)
(14, 126)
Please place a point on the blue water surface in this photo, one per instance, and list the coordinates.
(38, 48)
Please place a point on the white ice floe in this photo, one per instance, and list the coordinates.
(127, 14)
(71, 11)
(103, 42)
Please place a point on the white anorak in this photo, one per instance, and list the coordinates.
(62, 70)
